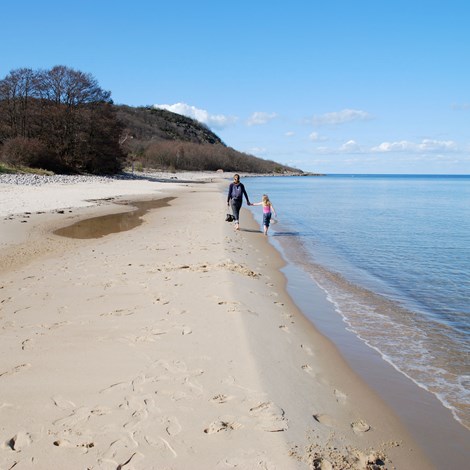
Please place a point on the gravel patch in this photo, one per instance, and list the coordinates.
(40, 180)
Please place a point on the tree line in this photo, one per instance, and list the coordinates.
(174, 155)
(61, 120)
(58, 119)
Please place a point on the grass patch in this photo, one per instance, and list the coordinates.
(8, 169)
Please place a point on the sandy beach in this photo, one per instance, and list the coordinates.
(169, 342)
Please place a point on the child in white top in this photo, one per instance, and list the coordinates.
(268, 210)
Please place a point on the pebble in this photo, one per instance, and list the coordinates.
(40, 180)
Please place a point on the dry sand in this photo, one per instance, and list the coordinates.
(173, 345)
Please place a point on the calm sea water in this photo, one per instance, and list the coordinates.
(393, 255)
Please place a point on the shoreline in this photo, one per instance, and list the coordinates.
(245, 377)
(423, 414)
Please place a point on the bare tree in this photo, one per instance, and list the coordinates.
(62, 108)
(72, 88)
(16, 91)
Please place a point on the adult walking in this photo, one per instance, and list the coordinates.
(236, 191)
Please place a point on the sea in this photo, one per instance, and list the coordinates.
(392, 255)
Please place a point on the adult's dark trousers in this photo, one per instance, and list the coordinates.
(236, 206)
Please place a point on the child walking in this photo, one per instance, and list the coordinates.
(268, 210)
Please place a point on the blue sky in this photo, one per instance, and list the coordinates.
(363, 86)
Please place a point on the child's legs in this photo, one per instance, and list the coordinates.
(266, 222)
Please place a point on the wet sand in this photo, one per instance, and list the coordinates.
(173, 344)
(433, 426)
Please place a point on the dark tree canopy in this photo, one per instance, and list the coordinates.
(58, 119)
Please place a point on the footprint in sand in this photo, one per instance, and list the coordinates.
(161, 300)
(223, 302)
(139, 402)
(222, 425)
(162, 445)
(288, 316)
(15, 369)
(174, 367)
(173, 426)
(137, 382)
(121, 312)
(136, 419)
(66, 443)
(195, 387)
(150, 336)
(6, 300)
(62, 403)
(324, 419)
(307, 349)
(19, 441)
(116, 386)
(152, 331)
(55, 326)
(220, 399)
(270, 417)
(323, 464)
(231, 306)
(341, 397)
(175, 311)
(80, 415)
(27, 344)
(308, 369)
(284, 328)
(63, 443)
(360, 427)
(118, 451)
(126, 461)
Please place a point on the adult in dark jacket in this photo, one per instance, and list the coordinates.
(236, 191)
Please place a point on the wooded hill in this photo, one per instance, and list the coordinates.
(149, 123)
(61, 120)
(156, 138)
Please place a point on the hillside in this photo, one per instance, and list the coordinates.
(160, 139)
(146, 124)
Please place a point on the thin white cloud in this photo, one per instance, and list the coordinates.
(351, 146)
(423, 148)
(289, 134)
(258, 118)
(217, 121)
(340, 117)
(426, 145)
(316, 137)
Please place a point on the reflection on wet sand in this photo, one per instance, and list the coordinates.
(97, 227)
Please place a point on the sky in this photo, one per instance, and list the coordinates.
(337, 86)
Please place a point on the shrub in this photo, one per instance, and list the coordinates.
(23, 151)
